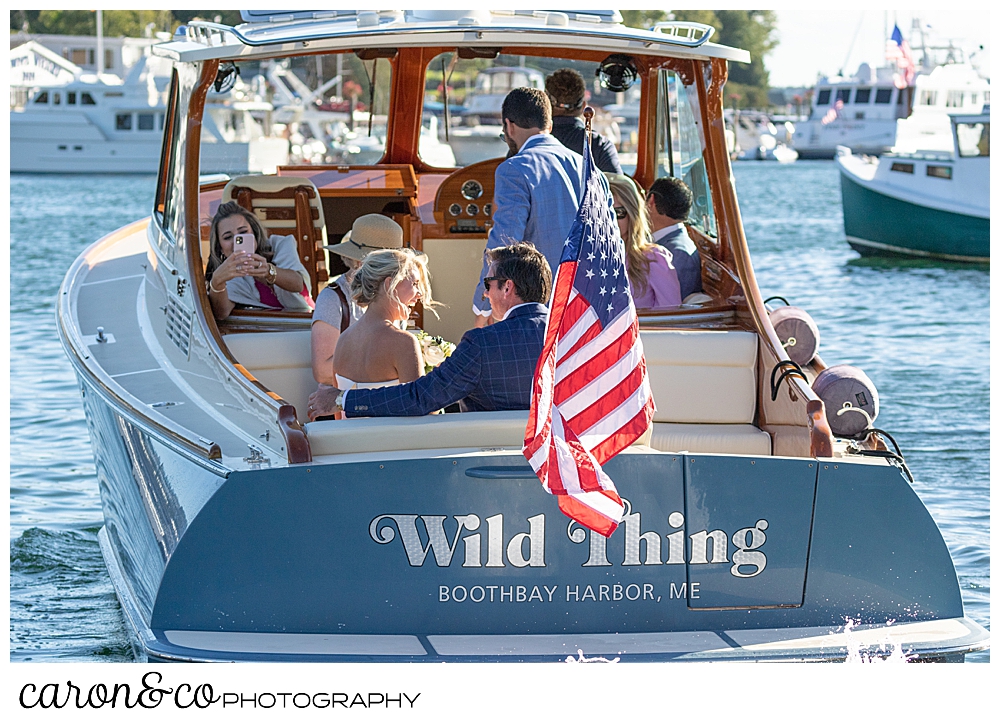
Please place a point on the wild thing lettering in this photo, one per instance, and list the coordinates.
(493, 548)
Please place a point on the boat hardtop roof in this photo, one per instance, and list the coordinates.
(983, 117)
(266, 33)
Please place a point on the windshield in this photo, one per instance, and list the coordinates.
(463, 97)
(328, 109)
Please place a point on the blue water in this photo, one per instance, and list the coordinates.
(919, 330)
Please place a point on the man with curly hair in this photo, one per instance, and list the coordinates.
(567, 92)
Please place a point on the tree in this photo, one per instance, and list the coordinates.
(751, 30)
(129, 23)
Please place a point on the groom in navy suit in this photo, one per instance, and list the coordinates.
(492, 367)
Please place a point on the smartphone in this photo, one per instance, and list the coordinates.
(244, 242)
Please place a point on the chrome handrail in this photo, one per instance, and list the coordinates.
(696, 34)
(685, 33)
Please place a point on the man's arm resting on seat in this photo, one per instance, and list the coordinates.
(457, 376)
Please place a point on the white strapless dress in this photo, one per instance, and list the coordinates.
(343, 384)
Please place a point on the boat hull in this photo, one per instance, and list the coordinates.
(878, 224)
(108, 156)
(813, 140)
(463, 557)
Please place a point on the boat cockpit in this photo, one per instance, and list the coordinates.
(676, 80)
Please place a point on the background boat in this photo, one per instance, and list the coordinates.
(860, 112)
(924, 203)
(100, 124)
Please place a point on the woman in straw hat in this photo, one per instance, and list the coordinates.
(335, 305)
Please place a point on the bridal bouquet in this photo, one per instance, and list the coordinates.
(434, 349)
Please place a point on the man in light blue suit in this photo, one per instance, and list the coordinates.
(537, 190)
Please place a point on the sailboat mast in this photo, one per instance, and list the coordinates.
(100, 43)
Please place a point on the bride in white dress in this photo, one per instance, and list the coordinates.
(375, 351)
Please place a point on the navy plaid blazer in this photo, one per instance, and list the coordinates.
(490, 370)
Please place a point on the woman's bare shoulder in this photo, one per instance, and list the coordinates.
(404, 340)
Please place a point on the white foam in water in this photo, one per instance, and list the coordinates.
(582, 659)
(856, 655)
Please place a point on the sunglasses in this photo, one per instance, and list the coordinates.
(488, 279)
(620, 212)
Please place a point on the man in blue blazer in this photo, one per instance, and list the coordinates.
(669, 203)
(537, 191)
(492, 367)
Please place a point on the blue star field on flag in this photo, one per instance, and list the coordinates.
(595, 242)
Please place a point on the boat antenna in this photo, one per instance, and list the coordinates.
(371, 96)
(851, 47)
(100, 43)
(447, 115)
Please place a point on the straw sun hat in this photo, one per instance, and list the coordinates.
(370, 232)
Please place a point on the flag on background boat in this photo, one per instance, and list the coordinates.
(590, 394)
(834, 113)
(896, 48)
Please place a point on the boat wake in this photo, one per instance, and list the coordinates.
(583, 659)
(886, 652)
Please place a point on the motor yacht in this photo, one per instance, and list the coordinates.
(102, 124)
(235, 529)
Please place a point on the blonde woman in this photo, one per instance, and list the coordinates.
(651, 272)
(335, 306)
(375, 351)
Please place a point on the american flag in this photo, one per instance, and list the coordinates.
(590, 395)
(834, 113)
(896, 48)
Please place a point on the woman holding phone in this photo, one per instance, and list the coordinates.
(250, 269)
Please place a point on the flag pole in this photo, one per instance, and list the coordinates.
(588, 116)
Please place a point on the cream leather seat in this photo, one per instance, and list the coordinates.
(288, 205)
(281, 361)
(492, 430)
(704, 384)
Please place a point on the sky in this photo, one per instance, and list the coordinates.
(818, 40)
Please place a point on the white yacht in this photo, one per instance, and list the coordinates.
(478, 138)
(861, 112)
(102, 124)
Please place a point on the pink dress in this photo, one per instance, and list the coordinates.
(663, 289)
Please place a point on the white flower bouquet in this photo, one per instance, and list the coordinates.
(435, 349)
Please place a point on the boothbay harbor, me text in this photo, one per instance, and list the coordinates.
(706, 547)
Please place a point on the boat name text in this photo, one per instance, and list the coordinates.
(527, 549)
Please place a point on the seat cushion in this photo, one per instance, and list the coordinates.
(436, 431)
(281, 361)
(710, 438)
(702, 377)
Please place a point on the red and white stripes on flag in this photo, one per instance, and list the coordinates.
(896, 48)
(590, 395)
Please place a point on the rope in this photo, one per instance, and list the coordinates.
(778, 298)
(789, 369)
(896, 456)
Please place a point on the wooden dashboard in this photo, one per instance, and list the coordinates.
(464, 205)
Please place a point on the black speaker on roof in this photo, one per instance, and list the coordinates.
(617, 73)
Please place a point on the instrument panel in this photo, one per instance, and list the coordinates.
(464, 202)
